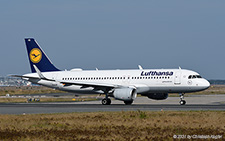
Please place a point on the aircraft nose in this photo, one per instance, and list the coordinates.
(203, 84)
(206, 83)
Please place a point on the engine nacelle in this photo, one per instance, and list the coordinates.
(125, 94)
(157, 96)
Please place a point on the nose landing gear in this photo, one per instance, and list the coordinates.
(182, 102)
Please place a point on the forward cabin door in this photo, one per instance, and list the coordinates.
(177, 78)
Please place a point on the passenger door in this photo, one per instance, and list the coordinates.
(54, 83)
(177, 78)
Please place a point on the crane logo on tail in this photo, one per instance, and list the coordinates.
(35, 55)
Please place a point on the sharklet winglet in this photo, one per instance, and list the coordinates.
(39, 72)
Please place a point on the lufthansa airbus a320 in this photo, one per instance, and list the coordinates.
(122, 85)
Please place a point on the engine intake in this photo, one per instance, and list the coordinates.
(125, 94)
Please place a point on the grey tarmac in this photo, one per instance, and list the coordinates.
(194, 103)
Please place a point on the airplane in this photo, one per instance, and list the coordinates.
(122, 85)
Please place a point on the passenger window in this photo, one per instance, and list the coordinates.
(194, 76)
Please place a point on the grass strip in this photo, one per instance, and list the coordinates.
(131, 125)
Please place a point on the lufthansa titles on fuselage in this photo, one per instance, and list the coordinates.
(156, 73)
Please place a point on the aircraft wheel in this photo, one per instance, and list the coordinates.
(106, 101)
(128, 102)
(182, 102)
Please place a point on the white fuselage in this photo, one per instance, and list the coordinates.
(145, 81)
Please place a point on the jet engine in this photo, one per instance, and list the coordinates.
(157, 96)
(125, 94)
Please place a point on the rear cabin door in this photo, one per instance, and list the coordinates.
(54, 83)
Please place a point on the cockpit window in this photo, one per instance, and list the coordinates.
(194, 76)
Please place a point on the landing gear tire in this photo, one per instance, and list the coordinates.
(182, 102)
(106, 101)
(128, 102)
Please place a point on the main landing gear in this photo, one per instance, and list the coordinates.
(106, 100)
(182, 102)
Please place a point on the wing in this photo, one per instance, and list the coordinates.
(31, 77)
(22, 76)
(101, 86)
(91, 84)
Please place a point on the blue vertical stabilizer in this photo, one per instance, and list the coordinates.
(37, 57)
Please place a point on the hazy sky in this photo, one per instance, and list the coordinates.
(116, 34)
